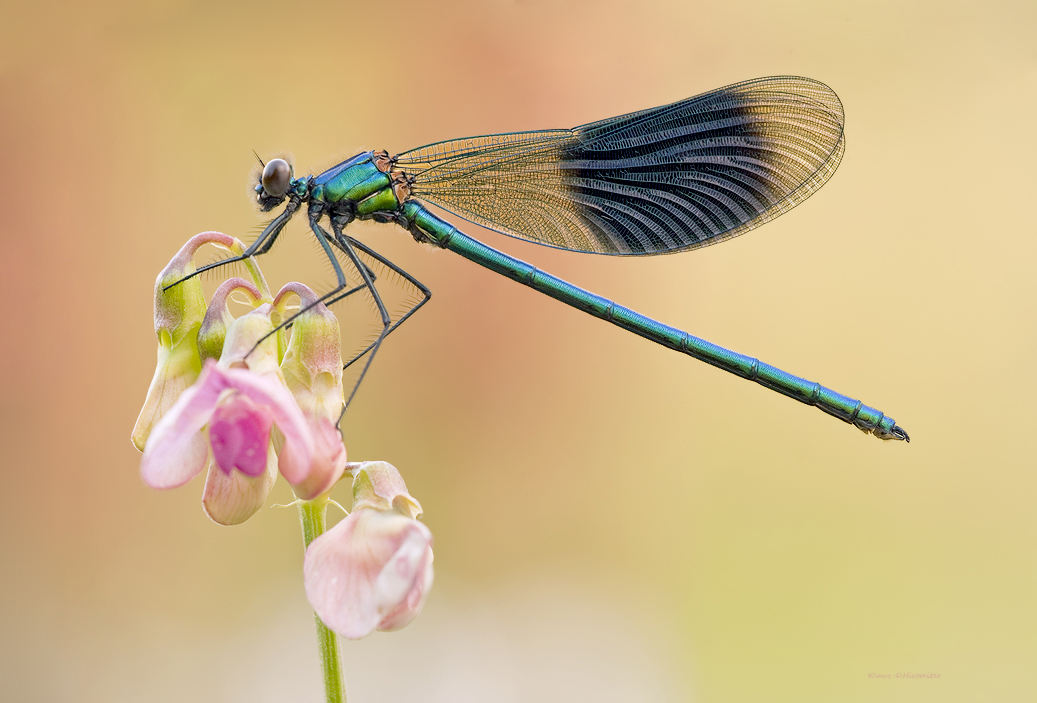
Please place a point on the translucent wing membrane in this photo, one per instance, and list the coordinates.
(657, 181)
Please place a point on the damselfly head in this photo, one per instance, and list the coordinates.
(273, 183)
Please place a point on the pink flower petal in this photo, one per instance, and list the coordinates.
(239, 433)
(371, 571)
(410, 574)
(329, 460)
(296, 457)
(233, 499)
(240, 348)
(177, 450)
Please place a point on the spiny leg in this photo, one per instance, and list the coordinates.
(351, 291)
(261, 246)
(426, 293)
(354, 289)
(322, 238)
(344, 244)
(340, 296)
(265, 247)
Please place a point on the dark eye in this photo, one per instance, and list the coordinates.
(276, 175)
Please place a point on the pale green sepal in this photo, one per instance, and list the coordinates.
(177, 368)
(378, 485)
(312, 363)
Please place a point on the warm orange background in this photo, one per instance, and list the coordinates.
(613, 521)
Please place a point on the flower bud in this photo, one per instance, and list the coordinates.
(378, 485)
(250, 344)
(218, 318)
(178, 315)
(312, 369)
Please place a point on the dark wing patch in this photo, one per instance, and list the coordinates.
(663, 180)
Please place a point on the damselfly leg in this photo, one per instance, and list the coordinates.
(426, 294)
(261, 246)
(347, 247)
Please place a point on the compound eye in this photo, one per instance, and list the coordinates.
(276, 175)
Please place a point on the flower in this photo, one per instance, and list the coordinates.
(251, 342)
(178, 315)
(312, 369)
(373, 570)
(226, 420)
(239, 407)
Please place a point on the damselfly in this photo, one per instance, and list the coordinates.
(658, 181)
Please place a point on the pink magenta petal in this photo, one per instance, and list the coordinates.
(371, 571)
(176, 450)
(296, 457)
(239, 433)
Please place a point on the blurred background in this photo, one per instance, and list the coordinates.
(613, 521)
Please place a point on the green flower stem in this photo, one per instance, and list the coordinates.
(313, 514)
(257, 277)
(252, 266)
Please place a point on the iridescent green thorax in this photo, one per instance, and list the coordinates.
(359, 186)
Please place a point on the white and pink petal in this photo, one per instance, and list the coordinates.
(329, 460)
(371, 571)
(231, 499)
(177, 450)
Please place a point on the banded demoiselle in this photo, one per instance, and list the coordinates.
(658, 181)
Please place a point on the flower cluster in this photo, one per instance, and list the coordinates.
(247, 400)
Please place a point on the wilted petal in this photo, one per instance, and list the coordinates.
(177, 450)
(312, 364)
(179, 312)
(312, 369)
(371, 571)
(181, 308)
(233, 499)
